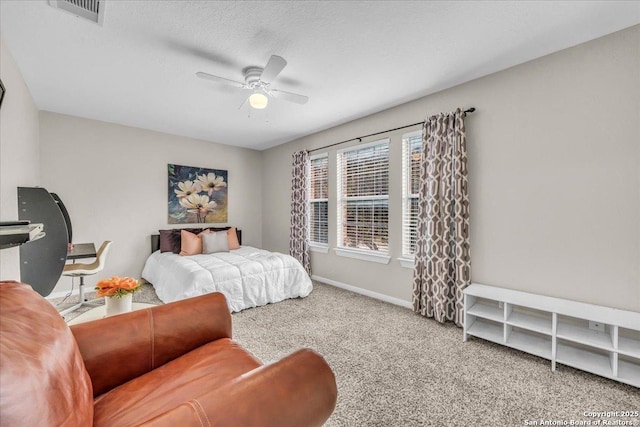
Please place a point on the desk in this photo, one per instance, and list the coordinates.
(100, 312)
(82, 250)
(13, 234)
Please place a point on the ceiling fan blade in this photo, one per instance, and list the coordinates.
(243, 102)
(218, 79)
(274, 66)
(288, 96)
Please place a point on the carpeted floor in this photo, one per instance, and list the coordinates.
(395, 368)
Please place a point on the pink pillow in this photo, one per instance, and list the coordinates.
(232, 239)
(191, 244)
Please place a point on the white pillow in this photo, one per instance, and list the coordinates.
(215, 242)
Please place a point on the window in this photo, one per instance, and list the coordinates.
(363, 198)
(411, 159)
(318, 200)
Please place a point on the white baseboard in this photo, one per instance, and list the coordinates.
(365, 292)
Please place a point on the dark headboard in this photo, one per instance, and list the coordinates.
(155, 238)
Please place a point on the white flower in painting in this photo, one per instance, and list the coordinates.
(210, 182)
(198, 203)
(187, 188)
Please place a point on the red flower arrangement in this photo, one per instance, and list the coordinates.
(117, 286)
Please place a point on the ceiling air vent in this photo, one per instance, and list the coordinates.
(93, 10)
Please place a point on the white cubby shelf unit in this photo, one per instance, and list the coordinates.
(557, 329)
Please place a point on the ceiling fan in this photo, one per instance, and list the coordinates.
(259, 81)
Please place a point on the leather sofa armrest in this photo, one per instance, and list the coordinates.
(299, 390)
(120, 348)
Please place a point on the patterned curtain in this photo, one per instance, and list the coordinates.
(299, 230)
(442, 259)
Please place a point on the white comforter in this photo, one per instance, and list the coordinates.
(248, 277)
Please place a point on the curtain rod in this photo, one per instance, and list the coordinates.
(468, 110)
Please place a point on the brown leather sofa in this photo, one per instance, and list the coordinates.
(171, 365)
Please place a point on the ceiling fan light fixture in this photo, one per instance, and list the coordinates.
(258, 81)
(258, 101)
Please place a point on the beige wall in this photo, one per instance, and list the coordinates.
(113, 181)
(554, 163)
(19, 151)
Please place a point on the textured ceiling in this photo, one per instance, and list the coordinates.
(351, 58)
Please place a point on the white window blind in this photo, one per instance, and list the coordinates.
(363, 197)
(411, 159)
(319, 200)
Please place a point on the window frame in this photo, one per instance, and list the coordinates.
(359, 253)
(407, 254)
(318, 246)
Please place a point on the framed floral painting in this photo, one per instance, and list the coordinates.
(197, 195)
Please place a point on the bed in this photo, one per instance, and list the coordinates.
(248, 277)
